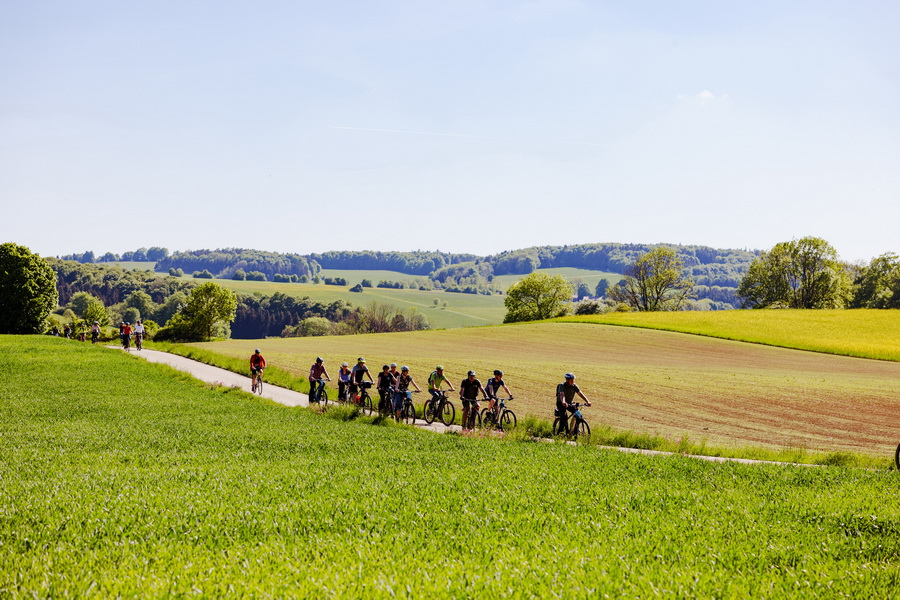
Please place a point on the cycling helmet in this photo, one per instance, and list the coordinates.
(128, 322)
(570, 375)
(404, 368)
(344, 365)
(383, 367)
(471, 373)
(96, 322)
(256, 351)
(498, 372)
(360, 359)
(319, 359)
(439, 368)
(394, 365)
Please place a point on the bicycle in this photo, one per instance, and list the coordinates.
(318, 393)
(897, 458)
(500, 417)
(257, 379)
(95, 337)
(385, 402)
(408, 412)
(364, 401)
(474, 415)
(126, 342)
(440, 408)
(575, 426)
(139, 341)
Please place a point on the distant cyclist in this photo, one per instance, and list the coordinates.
(257, 366)
(493, 386)
(126, 335)
(95, 332)
(401, 389)
(359, 371)
(139, 334)
(316, 383)
(436, 380)
(468, 393)
(565, 393)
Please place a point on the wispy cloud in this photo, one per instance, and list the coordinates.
(702, 98)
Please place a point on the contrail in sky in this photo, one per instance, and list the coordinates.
(462, 135)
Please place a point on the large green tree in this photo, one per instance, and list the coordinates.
(878, 284)
(537, 296)
(655, 281)
(206, 306)
(27, 290)
(804, 273)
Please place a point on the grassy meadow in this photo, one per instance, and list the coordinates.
(123, 479)
(588, 276)
(862, 333)
(714, 392)
(462, 310)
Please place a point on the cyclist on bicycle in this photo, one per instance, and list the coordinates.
(493, 385)
(359, 371)
(468, 393)
(436, 380)
(401, 389)
(257, 365)
(126, 335)
(343, 380)
(95, 332)
(565, 393)
(316, 385)
(385, 387)
(139, 333)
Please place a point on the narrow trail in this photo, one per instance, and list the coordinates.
(216, 375)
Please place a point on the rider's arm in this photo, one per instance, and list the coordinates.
(413, 381)
(583, 397)
(508, 393)
(327, 376)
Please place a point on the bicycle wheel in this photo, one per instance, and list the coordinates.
(428, 412)
(558, 428)
(366, 403)
(259, 383)
(323, 398)
(448, 413)
(487, 417)
(409, 414)
(582, 431)
(508, 420)
(474, 419)
(897, 458)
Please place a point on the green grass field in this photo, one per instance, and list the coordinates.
(463, 310)
(862, 333)
(123, 479)
(590, 277)
(133, 265)
(354, 276)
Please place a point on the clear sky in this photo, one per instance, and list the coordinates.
(467, 126)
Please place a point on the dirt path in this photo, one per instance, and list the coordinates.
(216, 375)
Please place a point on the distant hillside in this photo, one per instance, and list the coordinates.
(717, 272)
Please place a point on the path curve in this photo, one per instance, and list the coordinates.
(217, 375)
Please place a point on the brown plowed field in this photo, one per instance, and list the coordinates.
(647, 381)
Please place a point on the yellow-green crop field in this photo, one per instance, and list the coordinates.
(462, 310)
(588, 276)
(123, 479)
(863, 333)
(662, 383)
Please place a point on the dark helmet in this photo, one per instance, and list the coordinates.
(383, 367)
(570, 375)
(404, 368)
(256, 351)
(319, 359)
(471, 373)
(498, 372)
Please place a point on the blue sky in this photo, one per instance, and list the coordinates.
(471, 126)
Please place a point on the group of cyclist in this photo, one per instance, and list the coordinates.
(126, 331)
(394, 386)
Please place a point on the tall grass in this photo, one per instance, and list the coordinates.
(122, 480)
